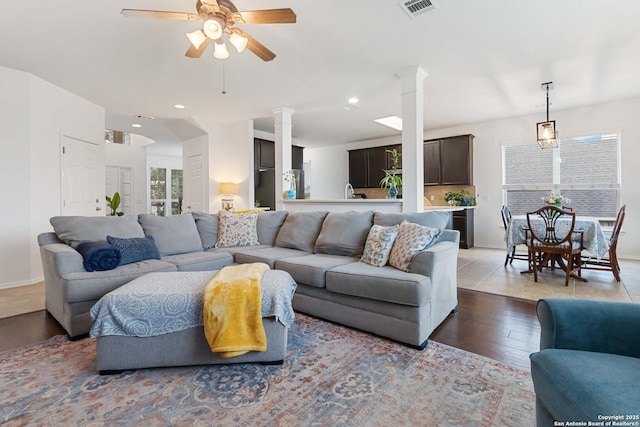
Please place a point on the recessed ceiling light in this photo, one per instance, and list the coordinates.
(353, 100)
(180, 106)
(136, 125)
(393, 122)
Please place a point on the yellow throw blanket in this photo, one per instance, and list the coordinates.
(232, 310)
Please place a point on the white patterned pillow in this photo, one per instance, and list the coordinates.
(237, 229)
(412, 239)
(378, 246)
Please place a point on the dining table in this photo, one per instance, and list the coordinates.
(594, 240)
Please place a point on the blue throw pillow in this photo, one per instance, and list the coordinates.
(135, 249)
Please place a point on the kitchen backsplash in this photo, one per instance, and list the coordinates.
(437, 191)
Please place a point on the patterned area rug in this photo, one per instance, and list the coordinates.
(332, 376)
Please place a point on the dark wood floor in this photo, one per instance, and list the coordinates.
(502, 328)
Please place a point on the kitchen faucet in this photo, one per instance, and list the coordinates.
(346, 190)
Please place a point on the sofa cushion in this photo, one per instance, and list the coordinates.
(269, 224)
(135, 249)
(300, 230)
(175, 234)
(567, 393)
(200, 261)
(91, 286)
(380, 283)
(268, 255)
(76, 229)
(378, 246)
(433, 219)
(311, 269)
(412, 238)
(344, 233)
(237, 229)
(207, 225)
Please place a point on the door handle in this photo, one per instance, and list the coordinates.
(98, 208)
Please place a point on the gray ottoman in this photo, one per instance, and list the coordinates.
(156, 321)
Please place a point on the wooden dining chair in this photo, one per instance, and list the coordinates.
(555, 241)
(610, 261)
(506, 220)
(567, 208)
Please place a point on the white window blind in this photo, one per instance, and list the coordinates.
(584, 169)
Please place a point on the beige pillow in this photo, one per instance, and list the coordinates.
(412, 238)
(377, 248)
(237, 229)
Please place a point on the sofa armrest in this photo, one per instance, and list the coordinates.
(434, 259)
(449, 236)
(61, 258)
(588, 325)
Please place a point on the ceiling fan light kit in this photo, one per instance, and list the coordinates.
(219, 17)
(220, 51)
(196, 38)
(239, 42)
(212, 29)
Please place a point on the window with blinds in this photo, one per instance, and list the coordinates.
(584, 169)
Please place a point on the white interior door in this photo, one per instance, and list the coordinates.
(81, 178)
(194, 190)
(119, 179)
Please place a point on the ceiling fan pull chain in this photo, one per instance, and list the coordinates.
(224, 92)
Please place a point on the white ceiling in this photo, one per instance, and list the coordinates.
(485, 60)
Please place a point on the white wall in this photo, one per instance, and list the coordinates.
(330, 165)
(229, 157)
(33, 116)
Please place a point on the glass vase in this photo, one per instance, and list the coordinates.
(393, 191)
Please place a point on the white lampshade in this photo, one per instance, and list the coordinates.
(212, 29)
(238, 41)
(196, 38)
(228, 188)
(221, 51)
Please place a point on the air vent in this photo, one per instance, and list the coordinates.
(417, 7)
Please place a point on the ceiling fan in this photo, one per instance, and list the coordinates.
(219, 18)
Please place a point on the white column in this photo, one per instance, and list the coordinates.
(412, 80)
(283, 149)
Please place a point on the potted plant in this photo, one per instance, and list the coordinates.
(392, 181)
(460, 198)
(114, 203)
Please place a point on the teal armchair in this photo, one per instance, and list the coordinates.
(588, 366)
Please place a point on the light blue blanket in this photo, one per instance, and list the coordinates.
(161, 303)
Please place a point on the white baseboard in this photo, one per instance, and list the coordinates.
(21, 283)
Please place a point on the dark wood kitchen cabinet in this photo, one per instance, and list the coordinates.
(448, 161)
(367, 165)
(265, 153)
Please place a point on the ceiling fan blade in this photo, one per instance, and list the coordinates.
(257, 48)
(159, 14)
(269, 16)
(192, 52)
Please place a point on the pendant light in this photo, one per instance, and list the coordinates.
(547, 134)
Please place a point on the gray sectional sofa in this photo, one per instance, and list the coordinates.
(320, 250)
